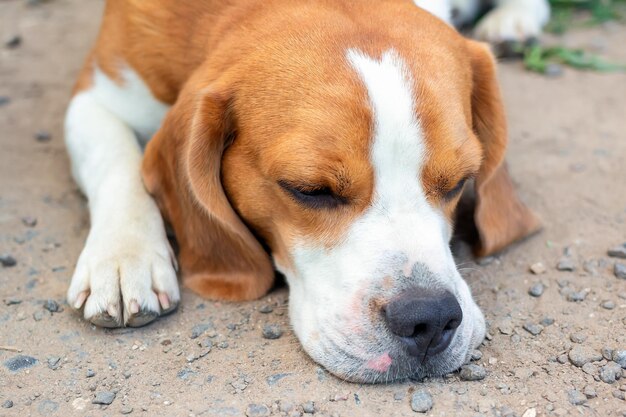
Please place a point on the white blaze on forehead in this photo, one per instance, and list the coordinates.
(398, 149)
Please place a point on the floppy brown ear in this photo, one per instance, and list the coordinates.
(219, 257)
(500, 216)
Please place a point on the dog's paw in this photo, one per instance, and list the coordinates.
(516, 21)
(125, 276)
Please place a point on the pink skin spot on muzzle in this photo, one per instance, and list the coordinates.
(380, 364)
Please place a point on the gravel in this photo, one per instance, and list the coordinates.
(308, 407)
(618, 251)
(607, 304)
(257, 410)
(52, 306)
(126, 410)
(199, 329)
(610, 372)
(619, 270)
(104, 398)
(533, 328)
(576, 397)
(29, 221)
(619, 357)
(90, 373)
(54, 362)
(20, 362)
(13, 41)
(581, 354)
(7, 404)
(472, 372)
(566, 264)
(7, 260)
(578, 337)
(590, 391)
(536, 290)
(538, 268)
(272, 331)
(421, 401)
(43, 136)
(266, 309)
(476, 355)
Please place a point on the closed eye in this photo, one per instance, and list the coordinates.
(454, 191)
(313, 196)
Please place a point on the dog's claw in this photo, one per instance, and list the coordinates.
(105, 320)
(141, 318)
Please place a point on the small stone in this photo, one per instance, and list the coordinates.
(610, 372)
(536, 290)
(51, 305)
(126, 410)
(533, 328)
(43, 136)
(257, 410)
(590, 369)
(309, 407)
(272, 331)
(619, 395)
(578, 337)
(580, 355)
(90, 373)
(47, 407)
(53, 362)
(562, 359)
(591, 267)
(607, 305)
(577, 296)
(266, 309)
(618, 251)
(566, 264)
(531, 412)
(20, 362)
(198, 329)
(4, 100)
(13, 41)
(590, 392)
(7, 404)
(553, 70)
(421, 401)
(104, 398)
(472, 373)
(285, 406)
(538, 268)
(607, 353)
(619, 270)
(506, 327)
(12, 301)
(547, 321)
(619, 357)
(476, 355)
(7, 260)
(576, 397)
(29, 221)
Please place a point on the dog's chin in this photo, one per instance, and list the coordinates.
(387, 362)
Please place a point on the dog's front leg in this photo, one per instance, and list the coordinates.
(514, 20)
(125, 274)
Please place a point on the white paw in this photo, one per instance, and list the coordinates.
(126, 274)
(513, 22)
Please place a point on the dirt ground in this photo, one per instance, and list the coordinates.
(567, 154)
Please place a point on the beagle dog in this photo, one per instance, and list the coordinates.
(328, 140)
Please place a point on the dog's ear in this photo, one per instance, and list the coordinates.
(219, 257)
(500, 216)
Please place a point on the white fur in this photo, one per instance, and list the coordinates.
(513, 20)
(400, 229)
(440, 8)
(127, 255)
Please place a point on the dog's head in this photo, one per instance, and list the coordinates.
(340, 153)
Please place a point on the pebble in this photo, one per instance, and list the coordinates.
(472, 373)
(53, 362)
(580, 355)
(618, 251)
(20, 362)
(547, 321)
(7, 404)
(590, 369)
(52, 306)
(590, 392)
(476, 355)
(104, 398)
(29, 221)
(619, 270)
(577, 296)
(126, 410)
(578, 337)
(538, 268)
(608, 305)
(43, 136)
(266, 309)
(12, 301)
(285, 406)
(198, 329)
(607, 353)
(619, 357)
(576, 397)
(619, 395)
(4, 100)
(7, 260)
(533, 328)
(272, 331)
(610, 372)
(90, 373)
(566, 264)
(531, 412)
(13, 41)
(257, 410)
(421, 401)
(308, 407)
(536, 290)
(553, 70)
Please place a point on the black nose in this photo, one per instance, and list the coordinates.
(424, 320)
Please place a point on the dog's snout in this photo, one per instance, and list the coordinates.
(424, 320)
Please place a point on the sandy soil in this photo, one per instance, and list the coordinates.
(568, 155)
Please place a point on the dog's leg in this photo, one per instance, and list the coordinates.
(513, 20)
(125, 274)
